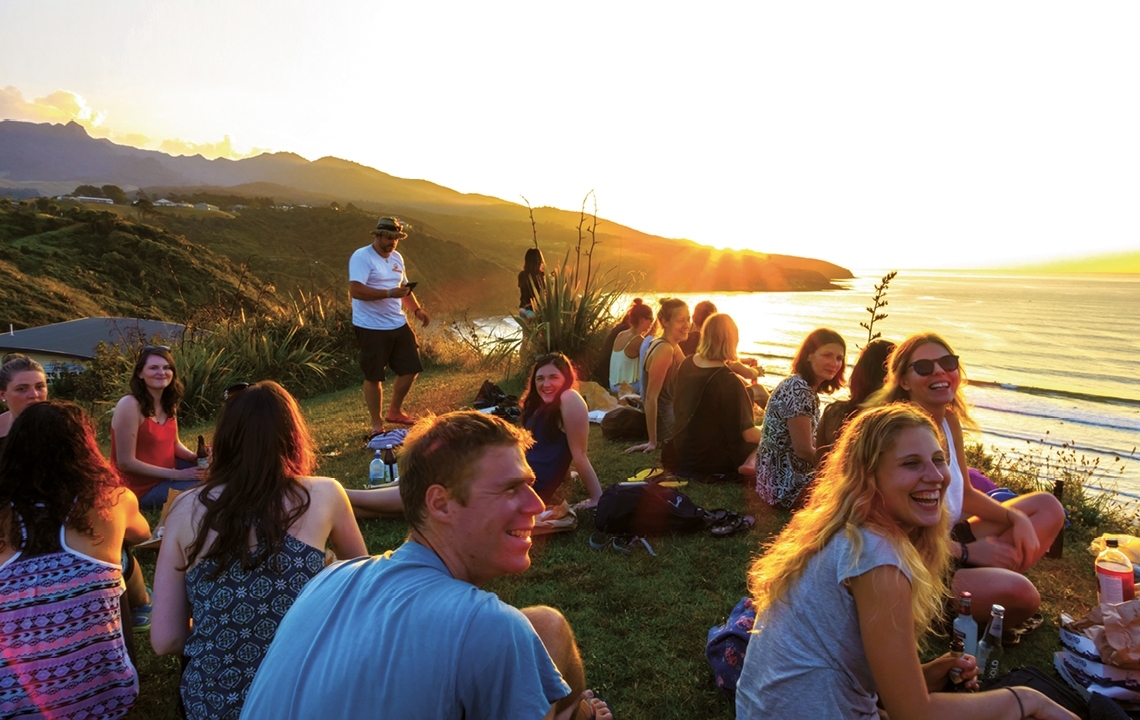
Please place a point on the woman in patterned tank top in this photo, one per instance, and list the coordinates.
(63, 518)
(238, 550)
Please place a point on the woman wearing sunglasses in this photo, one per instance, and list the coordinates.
(144, 431)
(992, 542)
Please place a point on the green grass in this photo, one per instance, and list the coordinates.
(640, 621)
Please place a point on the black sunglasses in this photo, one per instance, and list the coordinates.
(234, 390)
(949, 363)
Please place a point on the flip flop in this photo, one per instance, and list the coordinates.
(732, 524)
(591, 698)
(401, 420)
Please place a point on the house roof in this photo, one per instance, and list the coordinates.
(78, 338)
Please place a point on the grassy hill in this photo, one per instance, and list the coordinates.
(89, 263)
(488, 229)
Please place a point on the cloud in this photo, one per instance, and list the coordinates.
(64, 106)
(223, 148)
(60, 106)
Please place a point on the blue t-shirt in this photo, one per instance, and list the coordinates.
(396, 636)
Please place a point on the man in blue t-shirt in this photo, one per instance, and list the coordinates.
(381, 295)
(409, 634)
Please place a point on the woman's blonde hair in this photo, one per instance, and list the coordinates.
(719, 338)
(898, 364)
(845, 498)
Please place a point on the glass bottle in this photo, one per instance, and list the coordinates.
(965, 626)
(203, 455)
(989, 647)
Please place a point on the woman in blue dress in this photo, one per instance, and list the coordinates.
(238, 550)
(557, 417)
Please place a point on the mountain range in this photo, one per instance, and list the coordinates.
(45, 159)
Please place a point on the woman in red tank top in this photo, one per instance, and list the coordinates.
(144, 431)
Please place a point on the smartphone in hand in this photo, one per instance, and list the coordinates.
(411, 285)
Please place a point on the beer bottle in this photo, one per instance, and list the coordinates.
(989, 647)
(956, 652)
(203, 456)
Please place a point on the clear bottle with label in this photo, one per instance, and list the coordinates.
(989, 647)
(376, 471)
(1114, 580)
(965, 626)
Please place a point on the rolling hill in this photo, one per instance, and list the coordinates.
(465, 248)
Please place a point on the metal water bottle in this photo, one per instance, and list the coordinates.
(989, 648)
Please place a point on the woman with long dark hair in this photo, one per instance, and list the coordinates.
(993, 543)
(785, 460)
(658, 372)
(259, 521)
(854, 579)
(867, 376)
(64, 517)
(557, 418)
(144, 431)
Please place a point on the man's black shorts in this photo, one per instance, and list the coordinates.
(396, 349)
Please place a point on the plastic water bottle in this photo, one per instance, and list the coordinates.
(1114, 579)
(965, 627)
(989, 648)
(376, 471)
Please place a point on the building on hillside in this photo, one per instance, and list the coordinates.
(205, 206)
(163, 203)
(185, 205)
(106, 201)
(69, 346)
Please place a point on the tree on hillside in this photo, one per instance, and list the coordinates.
(144, 207)
(87, 191)
(334, 205)
(115, 194)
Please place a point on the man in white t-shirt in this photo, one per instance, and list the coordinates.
(380, 297)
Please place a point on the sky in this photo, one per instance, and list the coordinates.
(871, 134)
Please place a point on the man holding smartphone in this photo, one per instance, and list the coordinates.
(381, 297)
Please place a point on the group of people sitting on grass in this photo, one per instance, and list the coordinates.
(882, 511)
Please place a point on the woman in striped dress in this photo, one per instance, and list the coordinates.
(63, 518)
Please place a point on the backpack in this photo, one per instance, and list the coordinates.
(624, 423)
(646, 509)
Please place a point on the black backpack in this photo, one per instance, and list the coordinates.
(647, 509)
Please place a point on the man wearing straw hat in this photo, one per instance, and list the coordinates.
(380, 298)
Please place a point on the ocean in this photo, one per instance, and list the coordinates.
(1053, 361)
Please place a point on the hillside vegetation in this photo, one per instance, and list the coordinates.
(90, 263)
(465, 248)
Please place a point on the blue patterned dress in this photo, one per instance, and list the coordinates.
(235, 618)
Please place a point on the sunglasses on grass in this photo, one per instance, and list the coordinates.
(949, 363)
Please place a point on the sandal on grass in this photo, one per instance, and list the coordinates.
(734, 523)
(599, 707)
(623, 545)
(1013, 636)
